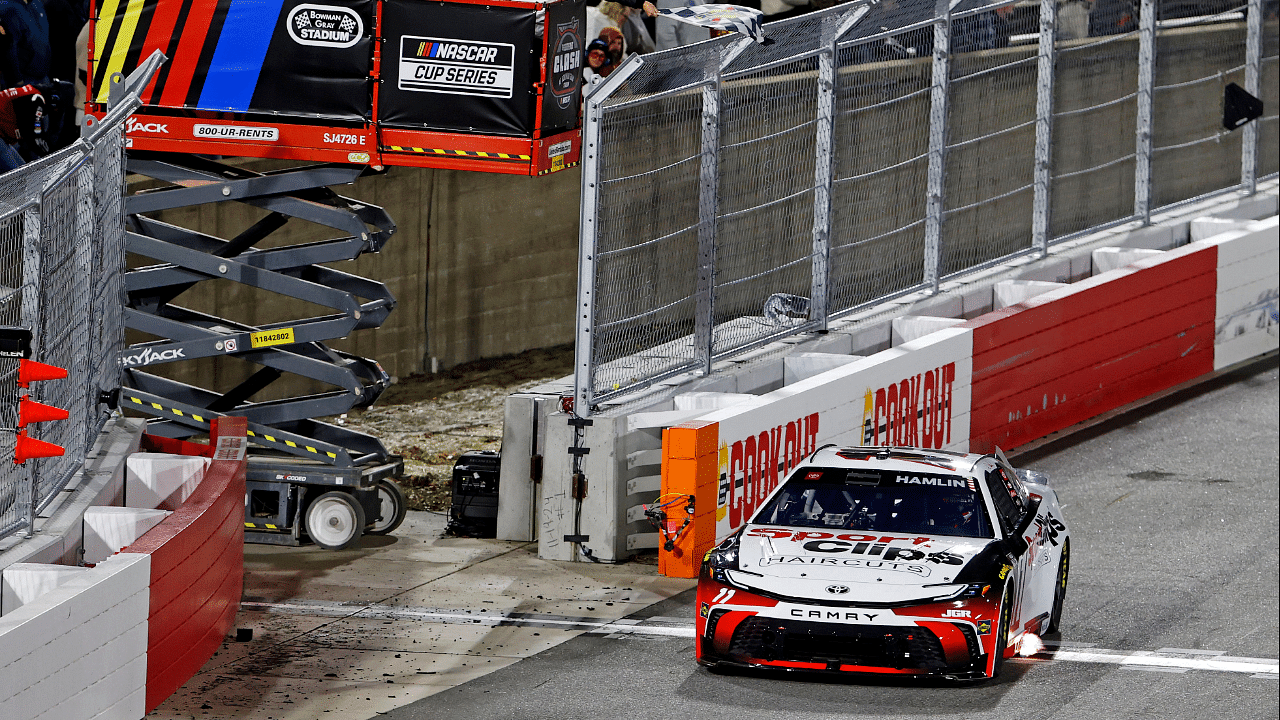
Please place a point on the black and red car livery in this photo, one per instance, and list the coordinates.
(888, 560)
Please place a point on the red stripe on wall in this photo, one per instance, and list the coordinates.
(186, 651)
(1058, 360)
(183, 64)
(197, 575)
(158, 35)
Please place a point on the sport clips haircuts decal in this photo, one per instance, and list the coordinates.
(750, 469)
(915, 411)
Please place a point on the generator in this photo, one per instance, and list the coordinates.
(474, 505)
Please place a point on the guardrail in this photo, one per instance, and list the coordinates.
(62, 260)
(876, 150)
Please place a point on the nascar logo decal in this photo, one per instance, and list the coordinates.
(325, 26)
(456, 67)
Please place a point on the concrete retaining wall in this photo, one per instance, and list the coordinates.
(754, 399)
(114, 640)
(1004, 379)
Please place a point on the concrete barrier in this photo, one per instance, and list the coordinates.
(1003, 379)
(113, 641)
(625, 440)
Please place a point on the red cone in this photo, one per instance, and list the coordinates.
(30, 411)
(30, 371)
(27, 448)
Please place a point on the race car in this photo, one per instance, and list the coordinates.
(889, 560)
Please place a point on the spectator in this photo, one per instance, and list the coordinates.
(21, 126)
(984, 31)
(25, 58)
(1073, 19)
(1112, 17)
(633, 29)
(598, 63)
(612, 37)
(670, 33)
(64, 25)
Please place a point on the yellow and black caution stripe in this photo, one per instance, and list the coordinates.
(260, 434)
(460, 153)
(262, 526)
(554, 168)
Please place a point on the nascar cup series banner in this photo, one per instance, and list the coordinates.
(455, 67)
(278, 56)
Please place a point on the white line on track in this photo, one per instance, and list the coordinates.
(1165, 659)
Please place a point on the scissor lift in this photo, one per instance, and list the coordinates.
(309, 478)
(484, 85)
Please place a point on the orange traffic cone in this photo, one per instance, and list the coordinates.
(30, 411)
(27, 448)
(30, 371)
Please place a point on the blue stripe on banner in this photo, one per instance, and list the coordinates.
(237, 61)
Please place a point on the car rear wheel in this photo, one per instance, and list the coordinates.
(335, 520)
(1060, 589)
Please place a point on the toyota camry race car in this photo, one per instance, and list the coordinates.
(888, 560)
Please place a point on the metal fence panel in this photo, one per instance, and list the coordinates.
(62, 261)
(990, 159)
(1268, 155)
(1095, 91)
(1192, 154)
(745, 192)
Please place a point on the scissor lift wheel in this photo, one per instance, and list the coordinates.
(391, 507)
(334, 521)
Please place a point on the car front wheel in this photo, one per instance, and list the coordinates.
(1060, 589)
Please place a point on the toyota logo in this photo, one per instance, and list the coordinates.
(837, 589)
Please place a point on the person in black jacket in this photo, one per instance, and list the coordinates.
(25, 56)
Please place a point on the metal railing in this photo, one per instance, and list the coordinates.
(62, 261)
(735, 193)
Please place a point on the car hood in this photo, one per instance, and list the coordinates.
(875, 567)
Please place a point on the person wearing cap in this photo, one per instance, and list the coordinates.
(598, 63)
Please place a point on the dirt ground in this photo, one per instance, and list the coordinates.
(432, 419)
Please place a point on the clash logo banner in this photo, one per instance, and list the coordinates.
(566, 64)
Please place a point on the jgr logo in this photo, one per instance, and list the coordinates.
(149, 356)
(325, 26)
(134, 125)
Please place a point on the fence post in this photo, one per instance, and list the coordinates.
(1252, 74)
(1042, 208)
(588, 234)
(1146, 90)
(584, 317)
(708, 207)
(833, 28)
(32, 254)
(936, 189)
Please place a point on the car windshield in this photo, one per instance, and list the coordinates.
(879, 500)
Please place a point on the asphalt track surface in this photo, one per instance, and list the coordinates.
(1173, 510)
